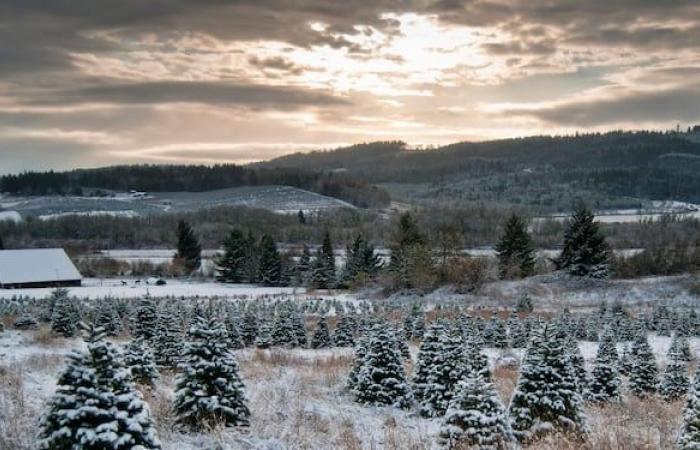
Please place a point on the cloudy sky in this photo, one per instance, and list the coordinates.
(89, 83)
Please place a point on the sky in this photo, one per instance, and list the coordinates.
(100, 82)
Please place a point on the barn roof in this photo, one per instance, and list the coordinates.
(36, 265)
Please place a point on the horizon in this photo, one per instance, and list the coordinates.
(210, 82)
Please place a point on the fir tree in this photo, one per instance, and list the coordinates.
(230, 265)
(299, 329)
(382, 381)
(428, 356)
(674, 382)
(546, 397)
(25, 321)
(407, 252)
(249, 330)
(209, 391)
(107, 318)
(361, 349)
(138, 358)
(605, 380)
(361, 260)
(145, 319)
(270, 264)
(301, 217)
(516, 253)
(585, 251)
(63, 319)
(233, 330)
(476, 418)
(167, 340)
(263, 339)
(344, 332)
(448, 369)
(643, 377)
(524, 304)
(321, 337)
(402, 343)
(680, 347)
(189, 251)
(302, 272)
(689, 435)
(252, 259)
(283, 333)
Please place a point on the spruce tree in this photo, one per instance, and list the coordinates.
(270, 264)
(643, 377)
(361, 349)
(145, 319)
(209, 391)
(138, 358)
(406, 250)
(476, 418)
(283, 332)
(230, 265)
(344, 332)
(448, 369)
(402, 343)
(233, 330)
(107, 317)
(302, 270)
(382, 381)
(263, 338)
(252, 259)
(321, 337)
(249, 329)
(689, 435)
(674, 382)
(63, 319)
(546, 397)
(167, 340)
(428, 357)
(605, 380)
(585, 251)
(516, 253)
(25, 321)
(189, 251)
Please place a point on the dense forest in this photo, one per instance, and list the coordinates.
(174, 178)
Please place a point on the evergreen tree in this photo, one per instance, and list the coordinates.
(428, 357)
(585, 251)
(167, 340)
(689, 436)
(107, 318)
(283, 333)
(448, 369)
(605, 380)
(674, 382)
(189, 251)
(680, 348)
(270, 265)
(230, 265)
(303, 268)
(360, 260)
(96, 406)
(25, 321)
(516, 253)
(361, 349)
(546, 397)
(209, 391)
(301, 217)
(408, 252)
(643, 377)
(263, 339)
(145, 319)
(524, 304)
(344, 332)
(233, 330)
(252, 259)
(476, 418)
(382, 381)
(138, 358)
(63, 319)
(249, 330)
(299, 329)
(321, 337)
(402, 343)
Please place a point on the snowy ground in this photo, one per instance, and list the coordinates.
(297, 401)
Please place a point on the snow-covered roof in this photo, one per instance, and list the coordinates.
(36, 266)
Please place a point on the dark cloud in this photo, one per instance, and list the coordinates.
(680, 104)
(216, 93)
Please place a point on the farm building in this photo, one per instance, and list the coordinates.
(33, 268)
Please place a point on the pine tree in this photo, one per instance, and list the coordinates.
(138, 358)
(524, 304)
(283, 333)
(189, 251)
(428, 356)
(643, 377)
(96, 406)
(299, 329)
(270, 265)
(402, 343)
(448, 369)
(407, 251)
(674, 382)
(209, 391)
(252, 259)
(361, 349)
(63, 319)
(167, 340)
(382, 381)
(249, 330)
(578, 364)
(476, 418)
(107, 317)
(263, 339)
(689, 435)
(145, 319)
(360, 260)
(233, 330)
(230, 265)
(585, 251)
(321, 337)
(546, 396)
(344, 332)
(605, 380)
(302, 272)
(516, 253)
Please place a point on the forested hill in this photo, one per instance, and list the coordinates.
(633, 164)
(191, 178)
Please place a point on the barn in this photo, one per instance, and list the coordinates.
(35, 268)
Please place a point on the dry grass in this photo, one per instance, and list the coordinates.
(504, 379)
(17, 419)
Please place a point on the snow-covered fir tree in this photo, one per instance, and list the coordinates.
(166, 339)
(585, 251)
(25, 321)
(381, 380)
(283, 333)
(63, 319)
(138, 358)
(578, 364)
(230, 264)
(644, 374)
(302, 268)
(361, 349)
(232, 322)
(605, 382)
(428, 354)
(269, 264)
(145, 318)
(321, 337)
(249, 328)
(299, 329)
(264, 335)
(476, 418)
(344, 332)
(402, 343)
(107, 317)
(477, 363)
(680, 347)
(96, 406)
(448, 368)
(546, 397)
(209, 391)
(674, 382)
(689, 435)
